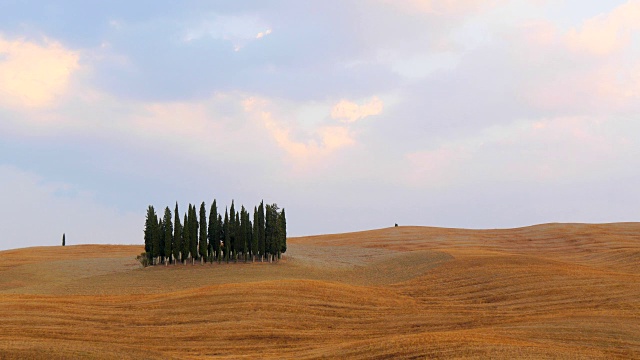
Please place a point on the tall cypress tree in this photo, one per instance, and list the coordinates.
(177, 235)
(63, 239)
(151, 238)
(254, 235)
(261, 231)
(283, 232)
(214, 244)
(186, 239)
(194, 234)
(268, 229)
(168, 234)
(220, 237)
(227, 236)
(202, 245)
(148, 230)
(238, 237)
(159, 251)
(232, 229)
(246, 233)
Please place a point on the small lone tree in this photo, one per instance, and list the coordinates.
(63, 239)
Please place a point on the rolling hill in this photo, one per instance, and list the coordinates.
(546, 291)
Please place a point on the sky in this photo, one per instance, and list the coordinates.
(351, 115)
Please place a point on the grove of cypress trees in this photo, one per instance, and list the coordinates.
(202, 245)
(168, 235)
(233, 237)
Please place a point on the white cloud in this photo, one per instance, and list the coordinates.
(261, 34)
(34, 75)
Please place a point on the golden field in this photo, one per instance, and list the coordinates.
(548, 291)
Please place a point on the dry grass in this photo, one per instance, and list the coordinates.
(549, 291)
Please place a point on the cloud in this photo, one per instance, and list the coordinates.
(239, 30)
(347, 111)
(548, 150)
(34, 75)
(607, 33)
(323, 140)
(261, 34)
(444, 7)
(580, 72)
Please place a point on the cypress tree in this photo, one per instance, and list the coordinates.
(277, 231)
(150, 233)
(283, 232)
(63, 240)
(254, 235)
(238, 236)
(148, 236)
(261, 231)
(273, 231)
(246, 233)
(220, 237)
(232, 228)
(226, 242)
(177, 235)
(202, 245)
(186, 239)
(194, 234)
(214, 243)
(267, 231)
(168, 235)
(159, 252)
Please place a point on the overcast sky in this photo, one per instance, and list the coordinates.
(352, 115)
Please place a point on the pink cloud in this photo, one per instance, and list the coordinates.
(324, 141)
(545, 150)
(607, 33)
(347, 111)
(34, 75)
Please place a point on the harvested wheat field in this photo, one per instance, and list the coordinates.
(547, 291)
